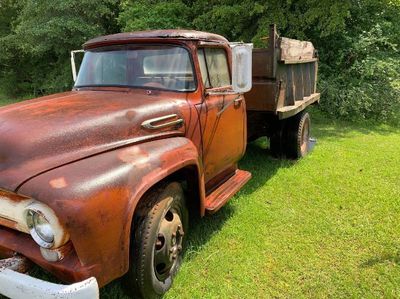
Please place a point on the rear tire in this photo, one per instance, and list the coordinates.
(157, 245)
(298, 136)
(276, 144)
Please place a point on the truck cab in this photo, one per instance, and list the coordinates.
(101, 182)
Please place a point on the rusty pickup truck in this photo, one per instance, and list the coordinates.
(101, 182)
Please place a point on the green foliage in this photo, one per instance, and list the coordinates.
(37, 39)
(363, 80)
(136, 15)
(358, 41)
(245, 20)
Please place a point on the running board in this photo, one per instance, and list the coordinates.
(216, 199)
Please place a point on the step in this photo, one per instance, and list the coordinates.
(216, 199)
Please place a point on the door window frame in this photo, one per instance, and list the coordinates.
(219, 88)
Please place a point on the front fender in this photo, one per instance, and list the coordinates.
(95, 198)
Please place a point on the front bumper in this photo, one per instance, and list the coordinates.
(16, 285)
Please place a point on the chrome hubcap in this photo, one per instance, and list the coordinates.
(168, 245)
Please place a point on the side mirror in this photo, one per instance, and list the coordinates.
(73, 64)
(242, 67)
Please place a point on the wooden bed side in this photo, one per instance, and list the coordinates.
(284, 76)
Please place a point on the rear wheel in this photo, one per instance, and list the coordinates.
(276, 144)
(298, 135)
(156, 250)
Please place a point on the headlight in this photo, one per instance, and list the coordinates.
(44, 226)
(40, 229)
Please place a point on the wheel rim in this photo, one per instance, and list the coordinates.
(305, 136)
(168, 246)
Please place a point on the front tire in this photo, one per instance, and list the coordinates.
(157, 245)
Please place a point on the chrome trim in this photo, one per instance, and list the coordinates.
(150, 123)
(16, 285)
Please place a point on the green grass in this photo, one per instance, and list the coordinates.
(325, 226)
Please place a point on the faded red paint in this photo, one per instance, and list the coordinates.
(86, 155)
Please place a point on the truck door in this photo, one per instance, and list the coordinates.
(222, 116)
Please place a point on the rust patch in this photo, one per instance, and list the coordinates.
(130, 115)
(58, 183)
(16, 263)
(136, 156)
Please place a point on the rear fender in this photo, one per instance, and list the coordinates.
(95, 198)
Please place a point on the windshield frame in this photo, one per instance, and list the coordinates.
(186, 48)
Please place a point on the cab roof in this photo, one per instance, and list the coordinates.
(154, 34)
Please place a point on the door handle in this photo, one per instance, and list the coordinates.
(152, 123)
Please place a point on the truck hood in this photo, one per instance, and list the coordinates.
(44, 133)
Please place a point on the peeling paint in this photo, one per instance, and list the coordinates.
(58, 183)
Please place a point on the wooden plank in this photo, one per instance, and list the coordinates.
(307, 79)
(291, 87)
(292, 50)
(288, 111)
(299, 84)
(315, 75)
(272, 47)
(297, 61)
(281, 96)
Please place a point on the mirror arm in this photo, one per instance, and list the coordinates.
(73, 65)
(235, 101)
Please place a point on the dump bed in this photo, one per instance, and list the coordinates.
(284, 76)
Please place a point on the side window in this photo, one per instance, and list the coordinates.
(214, 67)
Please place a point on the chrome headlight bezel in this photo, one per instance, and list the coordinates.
(32, 218)
(57, 234)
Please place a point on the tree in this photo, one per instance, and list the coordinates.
(357, 40)
(43, 35)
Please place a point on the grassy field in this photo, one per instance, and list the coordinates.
(325, 226)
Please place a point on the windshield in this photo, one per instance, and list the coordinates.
(160, 67)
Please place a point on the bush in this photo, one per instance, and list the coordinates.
(358, 41)
(366, 83)
(36, 37)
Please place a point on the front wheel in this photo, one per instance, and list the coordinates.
(156, 250)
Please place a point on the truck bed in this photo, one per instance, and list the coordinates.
(284, 76)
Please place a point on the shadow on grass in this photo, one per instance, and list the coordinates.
(385, 258)
(257, 161)
(260, 163)
(263, 167)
